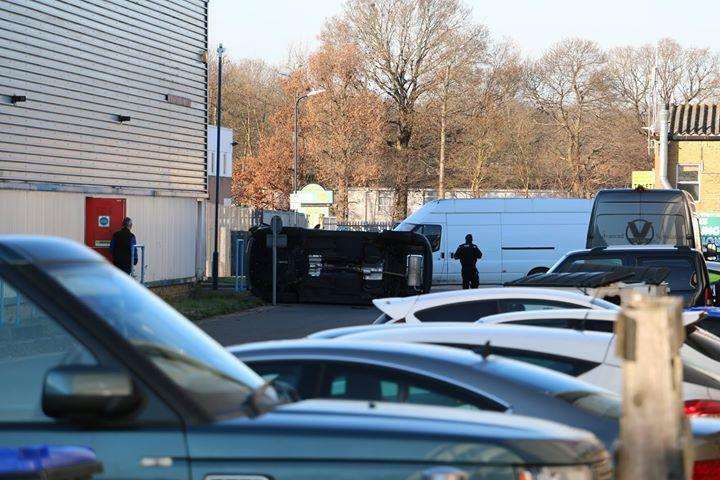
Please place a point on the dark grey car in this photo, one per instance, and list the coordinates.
(433, 375)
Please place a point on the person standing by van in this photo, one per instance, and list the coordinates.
(468, 253)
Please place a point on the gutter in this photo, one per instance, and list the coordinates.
(663, 150)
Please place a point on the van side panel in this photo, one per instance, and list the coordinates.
(485, 229)
(532, 239)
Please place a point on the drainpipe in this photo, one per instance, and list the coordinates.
(663, 150)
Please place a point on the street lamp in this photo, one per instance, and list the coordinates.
(220, 51)
(295, 134)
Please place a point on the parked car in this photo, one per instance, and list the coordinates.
(643, 217)
(434, 375)
(89, 355)
(469, 305)
(517, 236)
(688, 274)
(587, 355)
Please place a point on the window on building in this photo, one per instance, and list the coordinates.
(688, 179)
(384, 200)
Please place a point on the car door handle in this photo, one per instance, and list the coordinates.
(442, 254)
(445, 473)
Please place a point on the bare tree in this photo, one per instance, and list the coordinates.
(631, 73)
(569, 85)
(407, 45)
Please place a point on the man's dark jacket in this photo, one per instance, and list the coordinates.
(121, 248)
(468, 254)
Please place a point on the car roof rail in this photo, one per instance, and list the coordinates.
(598, 248)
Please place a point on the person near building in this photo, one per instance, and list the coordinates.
(122, 247)
(468, 254)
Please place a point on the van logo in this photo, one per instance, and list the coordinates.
(639, 232)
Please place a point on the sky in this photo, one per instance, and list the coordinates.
(267, 29)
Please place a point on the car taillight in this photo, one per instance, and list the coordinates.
(702, 408)
(706, 470)
(708, 296)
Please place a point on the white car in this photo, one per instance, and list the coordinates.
(469, 305)
(587, 355)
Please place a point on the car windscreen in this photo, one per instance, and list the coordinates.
(639, 229)
(210, 375)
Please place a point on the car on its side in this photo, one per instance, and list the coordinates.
(88, 356)
(411, 373)
(688, 273)
(587, 355)
(469, 305)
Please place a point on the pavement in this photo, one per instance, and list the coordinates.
(284, 321)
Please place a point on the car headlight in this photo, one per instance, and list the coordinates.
(575, 472)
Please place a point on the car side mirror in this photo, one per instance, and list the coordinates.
(89, 393)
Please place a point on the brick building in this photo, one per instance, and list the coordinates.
(694, 154)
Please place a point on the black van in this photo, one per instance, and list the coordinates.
(643, 217)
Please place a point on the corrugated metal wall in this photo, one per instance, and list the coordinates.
(82, 64)
(168, 227)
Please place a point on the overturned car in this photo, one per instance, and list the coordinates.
(321, 266)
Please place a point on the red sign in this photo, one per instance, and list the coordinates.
(103, 217)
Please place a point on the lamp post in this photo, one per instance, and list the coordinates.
(215, 265)
(295, 134)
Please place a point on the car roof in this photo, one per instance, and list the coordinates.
(411, 356)
(38, 250)
(633, 248)
(572, 313)
(586, 344)
(398, 307)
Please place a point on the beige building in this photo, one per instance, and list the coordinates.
(694, 154)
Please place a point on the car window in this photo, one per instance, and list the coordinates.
(289, 373)
(606, 326)
(566, 365)
(529, 304)
(433, 233)
(683, 273)
(31, 344)
(458, 312)
(198, 365)
(575, 263)
(362, 382)
(646, 229)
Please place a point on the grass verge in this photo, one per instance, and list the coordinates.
(201, 303)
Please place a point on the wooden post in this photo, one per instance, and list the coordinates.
(655, 439)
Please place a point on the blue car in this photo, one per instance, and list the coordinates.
(90, 357)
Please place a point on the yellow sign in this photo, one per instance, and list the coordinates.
(643, 178)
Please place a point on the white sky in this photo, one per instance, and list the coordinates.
(266, 29)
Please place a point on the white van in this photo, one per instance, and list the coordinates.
(517, 236)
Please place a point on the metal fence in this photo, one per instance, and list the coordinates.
(331, 223)
(232, 218)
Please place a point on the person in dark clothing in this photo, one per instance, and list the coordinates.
(122, 247)
(468, 253)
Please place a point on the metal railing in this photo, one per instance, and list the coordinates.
(141, 261)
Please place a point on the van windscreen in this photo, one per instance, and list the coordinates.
(640, 228)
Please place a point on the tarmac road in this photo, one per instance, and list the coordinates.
(284, 321)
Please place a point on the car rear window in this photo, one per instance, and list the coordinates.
(683, 272)
(458, 312)
(639, 229)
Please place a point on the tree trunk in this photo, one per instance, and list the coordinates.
(402, 172)
(443, 114)
(341, 200)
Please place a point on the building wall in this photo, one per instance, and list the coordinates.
(705, 153)
(82, 64)
(166, 226)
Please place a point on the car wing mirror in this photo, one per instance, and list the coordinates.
(89, 393)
